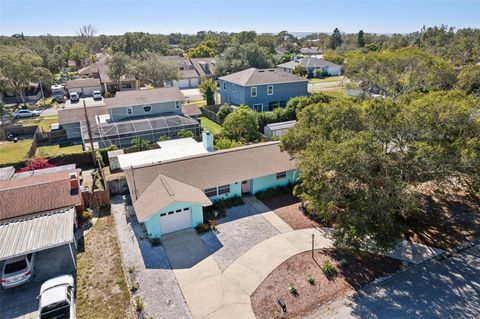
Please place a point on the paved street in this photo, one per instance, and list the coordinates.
(445, 289)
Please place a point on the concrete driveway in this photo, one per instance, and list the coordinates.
(21, 301)
(184, 248)
(440, 289)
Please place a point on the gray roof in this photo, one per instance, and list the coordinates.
(308, 63)
(141, 97)
(187, 74)
(82, 83)
(281, 125)
(204, 66)
(43, 171)
(30, 234)
(254, 76)
(311, 51)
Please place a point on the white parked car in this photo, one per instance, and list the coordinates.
(26, 113)
(97, 95)
(56, 299)
(17, 271)
(74, 96)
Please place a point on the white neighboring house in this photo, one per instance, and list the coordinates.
(84, 87)
(313, 64)
(168, 150)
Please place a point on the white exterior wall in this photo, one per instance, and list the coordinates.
(334, 70)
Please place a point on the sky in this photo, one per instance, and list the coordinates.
(64, 17)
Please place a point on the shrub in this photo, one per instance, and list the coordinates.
(213, 224)
(86, 216)
(292, 289)
(223, 111)
(274, 192)
(311, 280)
(138, 304)
(185, 133)
(134, 287)
(328, 269)
(155, 241)
(162, 138)
(224, 143)
(108, 95)
(202, 228)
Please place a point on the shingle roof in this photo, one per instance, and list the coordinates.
(198, 62)
(311, 50)
(38, 193)
(254, 76)
(214, 169)
(164, 191)
(141, 97)
(191, 110)
(187, 74)
(82, 83)
(77, 113)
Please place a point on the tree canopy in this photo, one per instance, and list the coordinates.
(155, 69)
(241, 57)
(241, 125)
(360, 162)
(208, 89)
(396, 72)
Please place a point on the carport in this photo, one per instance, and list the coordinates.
(34, 233)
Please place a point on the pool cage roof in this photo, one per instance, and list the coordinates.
(143, 126)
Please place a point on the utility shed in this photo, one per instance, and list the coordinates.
(28, 234)
(277, 129)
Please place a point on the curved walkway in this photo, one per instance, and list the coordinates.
(210, 293)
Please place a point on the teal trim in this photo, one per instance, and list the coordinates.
(153, 223)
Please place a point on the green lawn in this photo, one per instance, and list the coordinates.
(211, 126)
(329, 79)
(339, 93)
(54, 150)
(42, 121)
(12, 152)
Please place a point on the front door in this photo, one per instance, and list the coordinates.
(245, 187)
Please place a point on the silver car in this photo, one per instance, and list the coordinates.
(17, 271)
(25, 113)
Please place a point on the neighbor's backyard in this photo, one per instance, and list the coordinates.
(13, 152)
(210, 125)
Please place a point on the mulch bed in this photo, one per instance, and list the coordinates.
(287, 207)
(358, 271)
(445, 220)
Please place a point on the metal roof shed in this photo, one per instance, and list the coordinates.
(28, 234)
(277, 129)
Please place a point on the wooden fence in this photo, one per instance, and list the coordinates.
(96, 199)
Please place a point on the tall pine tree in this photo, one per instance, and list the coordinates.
(335, 39)
(361, 39)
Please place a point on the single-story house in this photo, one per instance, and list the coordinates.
(312, 65)
(169, 196)
(167, 151)
(261, 89)
(273, 130)
(38, 211)
(84, 87)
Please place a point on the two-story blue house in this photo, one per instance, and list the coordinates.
(261, 89)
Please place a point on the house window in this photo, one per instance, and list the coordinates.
(224, 189)
(272, 105)
(163, 214)
(185, 209)
(233, 88)
(129, 110)
(147, 108)
(258, 107)
(281, 175)
(170, 213)
(224, 86)
(283, 103)
(177, 105)
(253, 91)
(209, 192)
(270, 90)
(178, 211)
